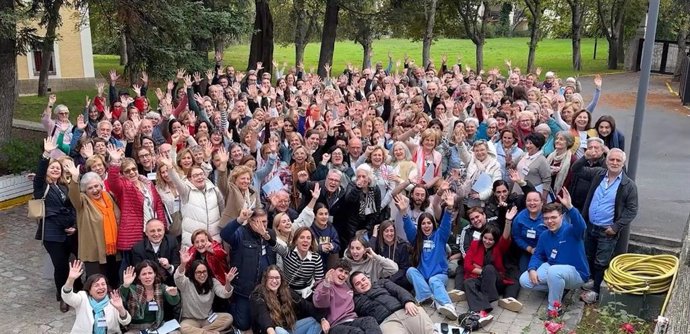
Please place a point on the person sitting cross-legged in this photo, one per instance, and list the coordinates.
(559, 261)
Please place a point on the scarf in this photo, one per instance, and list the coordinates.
(107, 210)
(99, 312)
(564, 160)
(137, 303)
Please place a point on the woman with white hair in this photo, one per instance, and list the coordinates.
(478, 163)
(59, 129)
(401, 162)
(98, 217)
(364, 198)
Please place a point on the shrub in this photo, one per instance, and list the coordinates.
(19, 155)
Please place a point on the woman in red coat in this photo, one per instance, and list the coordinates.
(485, 275)
(137, 198)
(211, 252)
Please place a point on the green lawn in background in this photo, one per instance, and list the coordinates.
(552, 55)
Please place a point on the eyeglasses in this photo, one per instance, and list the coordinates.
(549, 218)
(63, 113)
(274, 278)
(195, 175)
(146, 155)
(201, 272)
(129, 170)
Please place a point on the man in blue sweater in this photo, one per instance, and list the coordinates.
(559, 261)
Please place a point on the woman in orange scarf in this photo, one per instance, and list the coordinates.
(97, 220)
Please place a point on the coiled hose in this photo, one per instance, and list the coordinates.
(640, 274)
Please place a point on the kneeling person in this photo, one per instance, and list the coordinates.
(393, 307)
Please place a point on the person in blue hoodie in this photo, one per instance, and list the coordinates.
(527, 227)
(559, 261)
(429, 271)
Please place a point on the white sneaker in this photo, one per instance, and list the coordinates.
(510, 304)
(456, 295)
(589, 297)
(588, 286)
(448, 311)
(484, 318)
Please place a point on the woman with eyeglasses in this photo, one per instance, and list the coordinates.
(138, 198)
(479, 163)
(59, 129)
(198, 288)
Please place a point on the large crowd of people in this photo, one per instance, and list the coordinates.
(290, 203)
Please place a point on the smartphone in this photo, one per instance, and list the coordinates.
(444, 328)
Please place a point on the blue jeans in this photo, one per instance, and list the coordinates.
(436, 287)
(553, 279)
(307, 325)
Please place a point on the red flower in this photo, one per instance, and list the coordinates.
(627, 328)
(552, 313)
(557, 304)
(553, 327)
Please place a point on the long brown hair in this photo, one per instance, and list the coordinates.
(418, 246)
(280, 304)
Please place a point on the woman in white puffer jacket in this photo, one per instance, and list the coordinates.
(201, 203)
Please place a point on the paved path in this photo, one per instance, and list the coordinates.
(29, 306)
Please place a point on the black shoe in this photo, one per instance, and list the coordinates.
(64, 308)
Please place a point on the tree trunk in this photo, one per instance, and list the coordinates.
(682, 36)
(330, 27)
(123, 50)
(613, 53)
(479, 54)
(366, 58)
(621, 36)
(218, 44)
(261, 49)
(301, 27)
(48, 47)
(533, 40)
(430, 15)
(133, 65)
(8, 72)
(576, 29)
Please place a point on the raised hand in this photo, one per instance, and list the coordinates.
(87, 101)
(113, 76)
(87, 150)
(402, 202)
(188, 80)
(76, 268)
(185, 257)
(180, 73)
(316, 192)
(230, 275)
(128, 277)
(116, 300)
(511, 213)
(197, 77)
(302, 176)
(144, 77)
(49, 144)
(81, 122)
(72, 169)
(565, 199)
(171, 290)
(449, 198)
(325, 159)
(114, 153)
(514, 175)
(598, 81)
(99, 87)
(245, 214)
(209, 75)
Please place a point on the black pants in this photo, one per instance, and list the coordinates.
(363, 325)
(110, 269)
(240, 311)
(59, 253)
(480, 292)
(460, 276)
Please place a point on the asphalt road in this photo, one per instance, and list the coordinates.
(663, 180)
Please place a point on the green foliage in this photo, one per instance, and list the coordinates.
(14, 25)
(608, 320)
(19, 156)
(284, 19)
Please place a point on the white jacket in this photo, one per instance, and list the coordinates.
(83, 324)
(201, 209)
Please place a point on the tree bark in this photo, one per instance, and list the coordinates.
(576, 31)
(430, 16)
(218, 44)
(48, 45)
(367, 48)
(261, 49)
(682, 36)
(301, 30)
(479, 54)
(8, 73)
(536, 10)
(330, 27)
(123, 50)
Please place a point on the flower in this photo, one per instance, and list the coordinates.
(627, 328)
(553, 327)
(557, 305)
(552, 313)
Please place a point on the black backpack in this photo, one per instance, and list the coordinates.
(469, 321)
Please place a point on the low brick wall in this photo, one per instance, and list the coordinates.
(30, 86)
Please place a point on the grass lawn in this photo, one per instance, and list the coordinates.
(552, 55)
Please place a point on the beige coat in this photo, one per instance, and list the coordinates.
(90, 225)
(234, 199)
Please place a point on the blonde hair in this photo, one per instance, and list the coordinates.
(238, 171)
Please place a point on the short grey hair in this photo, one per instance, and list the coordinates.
(618, 150)
(61, 107)
(367, 169)
(569, 139)
(408, 155)
(88, 178)
(336, 172)
(472, 120)
(595, 139)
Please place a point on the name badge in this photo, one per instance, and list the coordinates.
(476, 235)
(153, 306)
(263, 250)
(101, 323)
(525, 170)
(151, 176)
(554, 253)
(457, 240)
(176, 205)
(428, 244)
(531, 234)
(212, 317)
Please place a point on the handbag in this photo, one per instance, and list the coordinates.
(37, 206)
(175, 221)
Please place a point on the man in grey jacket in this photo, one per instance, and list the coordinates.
(610, 207)
(392, 306)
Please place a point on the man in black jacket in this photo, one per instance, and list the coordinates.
(610, 207)
(392, 306)
(158, 247)
(594, 157)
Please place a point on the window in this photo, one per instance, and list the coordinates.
(38, 59)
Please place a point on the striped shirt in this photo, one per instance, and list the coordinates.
(300, 272)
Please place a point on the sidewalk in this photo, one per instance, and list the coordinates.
(29, 304)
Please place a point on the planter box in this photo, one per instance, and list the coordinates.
(14, 186)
